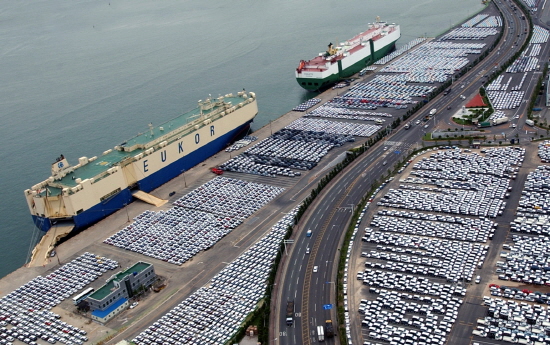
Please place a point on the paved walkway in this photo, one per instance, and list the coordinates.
(249, 341)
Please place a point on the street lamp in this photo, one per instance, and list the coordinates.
(183, 174)
(285, 243)
(127, 215)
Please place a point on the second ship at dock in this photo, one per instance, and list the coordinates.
(348, 57)
(99, 186)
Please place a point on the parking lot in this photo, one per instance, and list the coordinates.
(25, 313)
(212, 314)
(424, 244)
(197, 221)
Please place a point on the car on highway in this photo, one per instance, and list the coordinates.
(133, 305)
(315, 269)
(426, 126)
(307, 250)
(514, 125)
(417, 122)
(384, 162)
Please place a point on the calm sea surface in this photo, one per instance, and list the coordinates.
(79, 77)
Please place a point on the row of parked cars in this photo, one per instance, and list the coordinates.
(213, 314)
(384, 91)
(47, 292)
(31, 327)
(522, 317)
(527, 261)
(472, 230)
(229, 197)
(286, 149)
(514, 322)
(544, 151)
(307, 104)
(333, 127)
(456, 260)
(432, 252)
(401, 318)
(398, 52)
(535, 201)
(197, 221)
(327, 110)
(25, 314)
(519, 295)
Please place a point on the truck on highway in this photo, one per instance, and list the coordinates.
(500, 121)
(483, 124)
(321, 333)
(289, 313)
(433, 111)
(530, 122)
(329, 328)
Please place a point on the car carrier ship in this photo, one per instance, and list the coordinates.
(348, 57)
(99, 186)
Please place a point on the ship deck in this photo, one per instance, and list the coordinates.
(352, 46)
(107, 161)
(174, 124)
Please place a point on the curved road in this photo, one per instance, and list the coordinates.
(314, 292)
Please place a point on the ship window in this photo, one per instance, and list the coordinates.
(309, 83)
(316, 83)
(303, 83)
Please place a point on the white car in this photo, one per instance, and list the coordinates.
(133, 305)
(315, 268)
(425, 126)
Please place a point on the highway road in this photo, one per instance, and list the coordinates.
(329, 217)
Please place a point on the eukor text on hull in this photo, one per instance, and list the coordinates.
(99, 186)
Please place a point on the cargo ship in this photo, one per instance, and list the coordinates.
(348, 57)
(82, 194)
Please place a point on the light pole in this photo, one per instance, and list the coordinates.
(127, 215)
(285, 243)
(183, 174)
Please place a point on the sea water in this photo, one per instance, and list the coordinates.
(81, 76)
